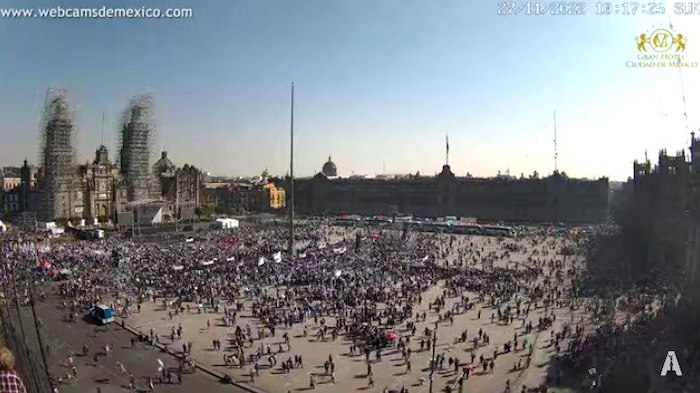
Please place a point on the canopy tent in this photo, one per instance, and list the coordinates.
(207, 263)
(178, 267)
(3, 227)
(226, 223)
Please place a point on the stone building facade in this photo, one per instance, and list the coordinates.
(553, 199)
(691, 271)
(104, 189)
(662, 221)
(657, 215)
(181, 189)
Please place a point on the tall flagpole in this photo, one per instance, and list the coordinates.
(292, 253)
(556, 152)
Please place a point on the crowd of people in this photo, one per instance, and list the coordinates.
(367, 289)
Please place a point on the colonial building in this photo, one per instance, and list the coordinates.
(165, 172)
(181, 189)
(104, 190)
(242, 197)
(691, 272)
(553, 199)
(661, 223)
(11, 178)
(268, 197)
(23, 196)
(229, 197)
(663, 219)
(657, 215)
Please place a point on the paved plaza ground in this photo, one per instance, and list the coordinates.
(391, 372)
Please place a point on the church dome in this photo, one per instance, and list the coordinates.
(164, 165)
(329, 168)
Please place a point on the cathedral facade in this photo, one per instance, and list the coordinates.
(104, 189)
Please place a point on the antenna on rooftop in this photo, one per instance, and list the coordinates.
(447, 149)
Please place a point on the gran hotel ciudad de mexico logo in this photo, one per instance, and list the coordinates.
(660, 47)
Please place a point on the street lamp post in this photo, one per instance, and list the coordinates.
(36, 321)
(432, 360)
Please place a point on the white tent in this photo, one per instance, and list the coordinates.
(226, 223)
(207, 263)
(45, 226)
(3, 227)
(178, 267)
(277, 256)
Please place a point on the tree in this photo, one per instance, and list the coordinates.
(224, 209)
(205, 210)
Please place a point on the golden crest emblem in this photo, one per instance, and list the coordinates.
(661, 40)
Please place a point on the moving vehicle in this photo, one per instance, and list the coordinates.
(103, 314)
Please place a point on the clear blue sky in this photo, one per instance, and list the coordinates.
(379, 83)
